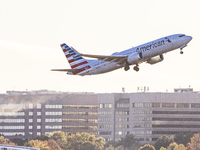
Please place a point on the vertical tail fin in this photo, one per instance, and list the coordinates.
(75, 60)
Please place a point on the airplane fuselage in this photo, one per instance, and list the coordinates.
(147, 50)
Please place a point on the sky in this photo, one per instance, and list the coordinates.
(31, 32)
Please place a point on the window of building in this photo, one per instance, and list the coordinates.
(12, 106)
(142, 119)
(75, 120)
(13, 133)
(30, 127)
(123, 105)
(142, 112)
(39, 106)
(104, 113)
(11, 127)
(105, 133)
(12, 120)
(141, 132)
(30, 106)
(38, 133)
(39, 113)
(104, 126)
(182, 105)
(38, 120)
(81, 106)
(53, 106)
(195, 105)
(168, 105)
(30, 120)
(30, 113)
(53, 127)
(147, 105)
(157, 105)
(122, 119)
(48, 133)
(104, 119)
(105, 105)
(53, 113)
(137, 105)
(38, 127)
(119, 133)
(12, 114)
(92, 121)
(122, 112)
(53, 120)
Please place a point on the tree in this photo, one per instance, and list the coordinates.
(183, 137)
(83, 140)
(128, 141)
(6, 141)
(147, 147)
(189, 147)
(195, 141)
(18, 141)
(162, 148)
(78, 141)
(61, 138)
(42, 145)
(163, 141)
(179, 147)
(53, 145)
(42, 138)
(172, 146)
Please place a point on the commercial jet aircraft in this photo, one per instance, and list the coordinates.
(151, 52)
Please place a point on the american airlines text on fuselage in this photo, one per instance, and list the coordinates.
(150, 46)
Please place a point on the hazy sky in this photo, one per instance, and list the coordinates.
(31, 32)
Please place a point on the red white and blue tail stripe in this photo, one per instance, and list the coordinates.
(75, 60)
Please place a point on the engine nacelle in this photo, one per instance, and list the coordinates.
(133, 58)
(155, 59)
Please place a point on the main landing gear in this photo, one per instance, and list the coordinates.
(136, 68)
(127, 67)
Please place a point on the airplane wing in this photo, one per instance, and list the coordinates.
(66, 70)
(110, 58)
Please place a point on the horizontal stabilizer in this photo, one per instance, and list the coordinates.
(66, 70)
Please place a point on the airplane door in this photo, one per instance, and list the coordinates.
(169, 43)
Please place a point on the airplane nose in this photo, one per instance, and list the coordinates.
(189, 38)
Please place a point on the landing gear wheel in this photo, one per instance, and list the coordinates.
(126, 68)
(181, 52)
(136, 68)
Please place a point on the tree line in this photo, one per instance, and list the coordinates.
(60, 140)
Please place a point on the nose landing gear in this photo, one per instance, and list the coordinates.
(181, 48)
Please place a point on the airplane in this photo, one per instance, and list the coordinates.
(151, 53)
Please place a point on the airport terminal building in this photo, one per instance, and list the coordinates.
(111, 116)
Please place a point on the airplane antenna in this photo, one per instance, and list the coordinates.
(123, 90)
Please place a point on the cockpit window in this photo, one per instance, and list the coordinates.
(182, 35)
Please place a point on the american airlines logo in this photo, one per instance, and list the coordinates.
(150, 46)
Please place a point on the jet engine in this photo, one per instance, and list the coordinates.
(155, 59)
(133, 58)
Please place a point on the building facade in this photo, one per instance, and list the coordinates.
(148, 115)
(29, 115)
(111, 116)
